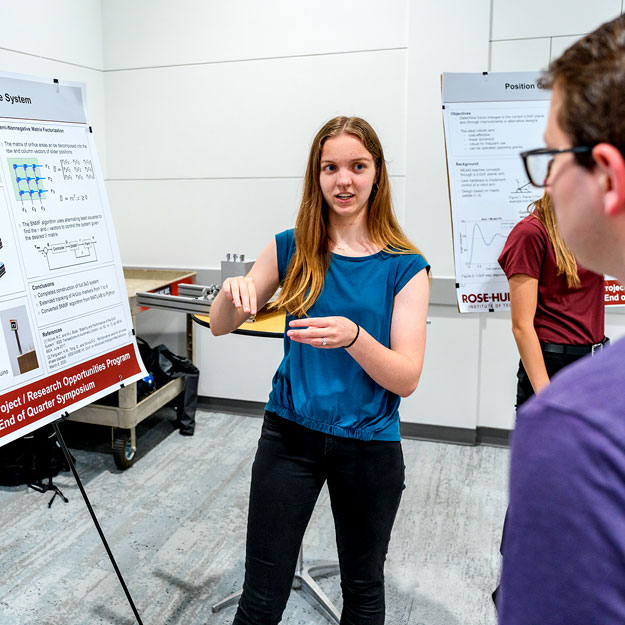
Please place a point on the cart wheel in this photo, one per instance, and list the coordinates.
(123, 453)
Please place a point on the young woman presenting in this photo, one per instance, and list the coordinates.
(356, 295)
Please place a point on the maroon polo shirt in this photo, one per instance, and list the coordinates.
(563, 315)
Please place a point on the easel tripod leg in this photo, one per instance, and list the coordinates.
(70, 462)
(226, 601)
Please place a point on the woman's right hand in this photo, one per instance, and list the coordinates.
(241, 291)
(241, 296)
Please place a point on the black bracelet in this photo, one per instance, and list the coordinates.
(357, 334)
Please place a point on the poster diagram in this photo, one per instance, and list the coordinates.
(489, 119)
(28, 184)
(69, 254)
(66, 334)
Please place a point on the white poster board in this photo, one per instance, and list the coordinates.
(66, 334)
(488, 120)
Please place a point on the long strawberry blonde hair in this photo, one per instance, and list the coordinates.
(308, 266)
(565, 260)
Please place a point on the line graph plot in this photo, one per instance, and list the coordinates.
(481, 242)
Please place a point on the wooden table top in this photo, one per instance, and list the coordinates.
(267, 324)
(153, 279)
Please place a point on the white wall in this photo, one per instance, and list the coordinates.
(210, 113)
(60, 39)
(203, 115)
(471, 360)
(520, 42)
(440, 40)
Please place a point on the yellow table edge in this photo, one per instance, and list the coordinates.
(268, 324)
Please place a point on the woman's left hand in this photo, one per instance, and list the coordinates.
(323, 332)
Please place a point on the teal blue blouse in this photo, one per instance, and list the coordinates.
(326, 389)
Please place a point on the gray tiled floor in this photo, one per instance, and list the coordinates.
(176, 524)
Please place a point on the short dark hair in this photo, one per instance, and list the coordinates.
(591, 78)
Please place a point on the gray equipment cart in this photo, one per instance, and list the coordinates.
(123, 418)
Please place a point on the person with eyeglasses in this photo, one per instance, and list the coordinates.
(564, 544)
(556, 306)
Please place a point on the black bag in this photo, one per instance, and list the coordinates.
(169, 366)
(164, 366)
(32, 458)
(147, 385)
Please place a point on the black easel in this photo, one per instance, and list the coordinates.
(70, 461)
(40, 487)
(42, 455)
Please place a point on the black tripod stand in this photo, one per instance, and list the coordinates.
(47, 459)
(40, 487)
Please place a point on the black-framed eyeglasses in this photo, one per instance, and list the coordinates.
(538, 162)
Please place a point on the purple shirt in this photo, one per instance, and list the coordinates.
(564, 545)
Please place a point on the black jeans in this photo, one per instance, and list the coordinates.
(553, 364)
(365, 482)
(524, 390)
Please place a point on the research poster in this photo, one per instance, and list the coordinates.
(488, 120)
(66, 334)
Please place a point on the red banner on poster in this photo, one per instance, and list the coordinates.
(614, 293)
(56, 393)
